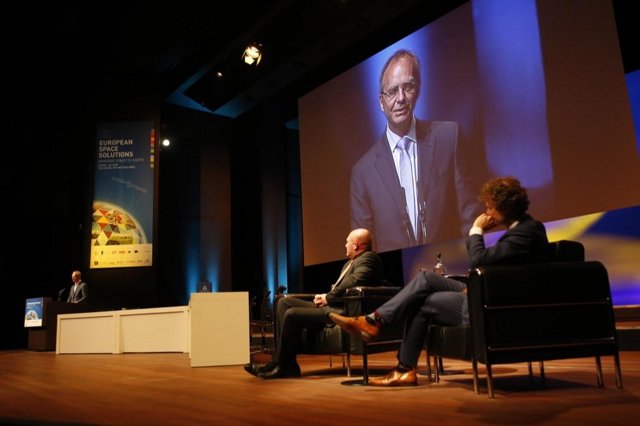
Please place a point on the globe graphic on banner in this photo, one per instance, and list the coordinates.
(113, 225)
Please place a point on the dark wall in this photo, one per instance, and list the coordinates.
(46, 187)
(258, 197)
(193, 203)
(44, 178)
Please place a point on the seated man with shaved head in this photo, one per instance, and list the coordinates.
(363, 268)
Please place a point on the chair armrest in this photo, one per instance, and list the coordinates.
(366, 291)
(364, 300)
(461, 278)
(304, 296)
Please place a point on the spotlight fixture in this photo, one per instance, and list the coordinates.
(252, 54)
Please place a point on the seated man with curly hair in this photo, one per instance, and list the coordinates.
(430, 298)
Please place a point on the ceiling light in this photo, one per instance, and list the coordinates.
(252, 54)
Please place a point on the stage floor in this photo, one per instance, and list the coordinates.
(161, 388)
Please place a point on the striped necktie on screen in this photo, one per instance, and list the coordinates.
(407, 178)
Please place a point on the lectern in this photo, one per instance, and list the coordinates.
(219, 328)
(43, 337)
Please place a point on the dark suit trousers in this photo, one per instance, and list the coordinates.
(427, 299)
(294, 315)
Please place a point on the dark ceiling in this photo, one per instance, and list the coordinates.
(301, 40)
(68, 58)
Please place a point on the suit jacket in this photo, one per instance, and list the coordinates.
(525, 243)
(365, 269)
(80, 295)
(448, 205)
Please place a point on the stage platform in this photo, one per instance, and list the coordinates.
(42, 388)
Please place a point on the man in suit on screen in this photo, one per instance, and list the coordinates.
(410, 188)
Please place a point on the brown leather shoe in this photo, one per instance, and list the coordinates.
(396, 378)
(357, 326)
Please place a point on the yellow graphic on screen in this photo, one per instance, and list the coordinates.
(112, 225)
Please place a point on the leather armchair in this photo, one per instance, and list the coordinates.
(536, 312)
(333, 341)
(362, 301)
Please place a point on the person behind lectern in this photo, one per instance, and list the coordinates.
(78, 292)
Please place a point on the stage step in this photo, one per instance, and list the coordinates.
(628, 327)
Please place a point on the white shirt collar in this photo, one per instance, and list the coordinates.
(394, 138)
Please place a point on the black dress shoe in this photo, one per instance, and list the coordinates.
(281, 372)
(254, 369)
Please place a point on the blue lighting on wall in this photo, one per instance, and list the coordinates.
(270, 269)
(191, 259)
(512, 76)
(275, 253)
(633, 88)
(212, 268)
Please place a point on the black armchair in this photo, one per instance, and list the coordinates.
(537, 312)
(456, 342)
(362, 301)
(333, 341)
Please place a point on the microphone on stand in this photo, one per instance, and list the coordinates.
(60, 294)
(423, 221)
(422, 214)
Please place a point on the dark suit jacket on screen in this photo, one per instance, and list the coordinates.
(377, 199)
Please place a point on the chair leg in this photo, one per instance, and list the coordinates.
(330, 361)
(428, 365)
(474, 364)
(263, 339)
(365, 366)
(530, 369)
(348, 363)
(489, 381)
(542, 376)
(599, 377)
(616, 360)
(436, 369)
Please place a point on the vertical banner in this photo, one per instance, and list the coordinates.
(122, 214)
